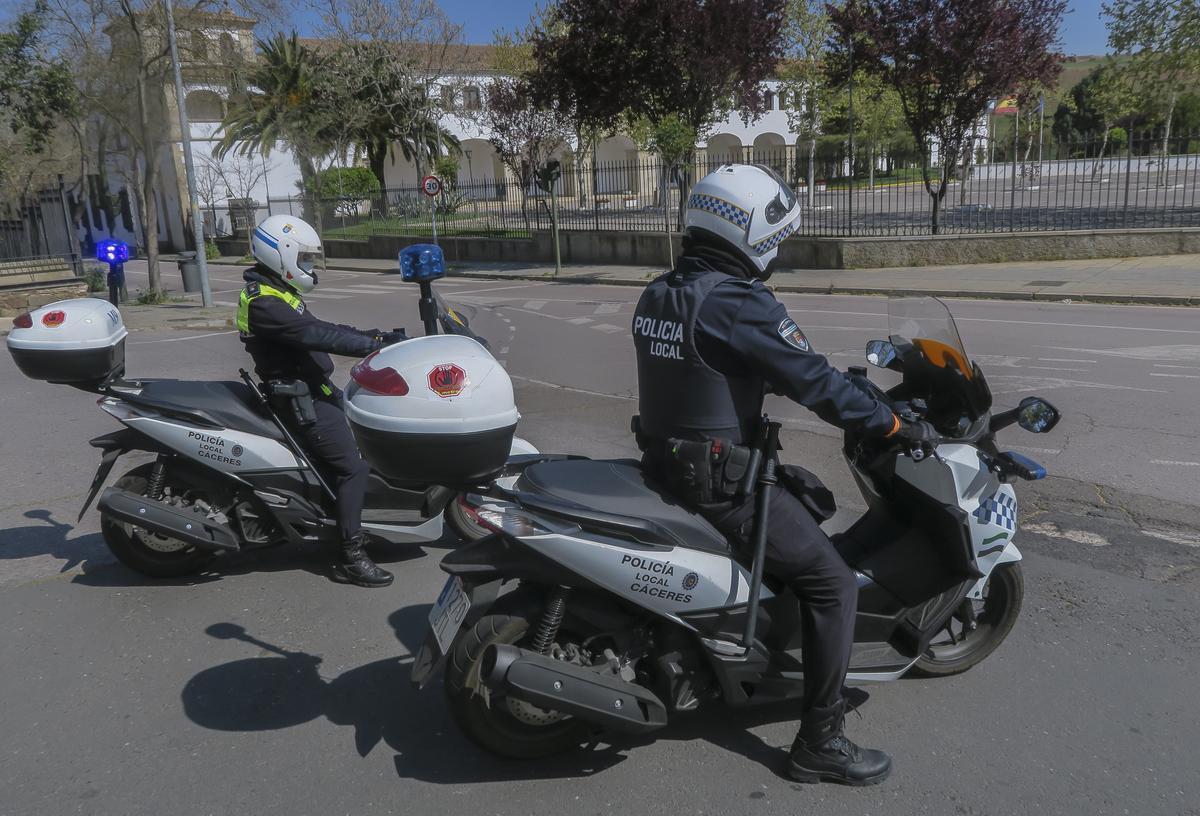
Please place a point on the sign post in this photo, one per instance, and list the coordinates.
(547, 177)
(432, 187)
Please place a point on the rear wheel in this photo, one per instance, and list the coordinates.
(463, 522)
(977, 627)
(503, 725)
(142, 551)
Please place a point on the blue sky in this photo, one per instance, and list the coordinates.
(1083, 32)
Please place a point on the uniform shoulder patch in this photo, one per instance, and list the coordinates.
(792, 335)
(252, 289)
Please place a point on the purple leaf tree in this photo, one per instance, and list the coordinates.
(947, 59)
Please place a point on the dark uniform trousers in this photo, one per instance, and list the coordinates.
(330, 444)
(800, 554)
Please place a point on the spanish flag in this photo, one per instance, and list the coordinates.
(1005, 106)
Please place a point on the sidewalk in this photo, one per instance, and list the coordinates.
(1166, 279)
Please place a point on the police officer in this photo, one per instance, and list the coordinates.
(291, 348)
(711, 339)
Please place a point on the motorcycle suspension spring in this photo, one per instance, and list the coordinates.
(154, 486)
(552, 618)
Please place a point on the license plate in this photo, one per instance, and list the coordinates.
(448, 613)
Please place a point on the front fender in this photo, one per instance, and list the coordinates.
(1009, 554)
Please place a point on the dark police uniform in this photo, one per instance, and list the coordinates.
(710, 343)
(288, 343)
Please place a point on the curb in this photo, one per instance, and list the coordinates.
(801, 289)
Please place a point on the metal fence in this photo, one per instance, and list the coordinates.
(1040, 184)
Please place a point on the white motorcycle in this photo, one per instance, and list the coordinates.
(628, 608)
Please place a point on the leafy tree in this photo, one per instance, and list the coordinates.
(524, 134)
(615, 61)
(280, 105)
(35, 94)
(802, 73)
(947, 59)
(1164, 38)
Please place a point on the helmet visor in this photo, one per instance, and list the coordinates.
(784, 200)
(308, 258)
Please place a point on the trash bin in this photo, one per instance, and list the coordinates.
(189, 270)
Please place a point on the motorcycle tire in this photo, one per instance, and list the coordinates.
(460, 521)
(1003, 594)
(155, 557)
(505, 727)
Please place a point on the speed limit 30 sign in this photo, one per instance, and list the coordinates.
(431, 186)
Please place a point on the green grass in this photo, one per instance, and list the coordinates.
(903, 175)
(465, 225)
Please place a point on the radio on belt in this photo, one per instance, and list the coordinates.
(79, 342)
(433, 410)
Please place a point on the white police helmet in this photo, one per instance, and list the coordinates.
(289, 247)
(748, 206)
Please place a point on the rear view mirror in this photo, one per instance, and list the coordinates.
(1036, 415)
(881, 353)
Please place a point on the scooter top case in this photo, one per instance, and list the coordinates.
(78, 342)
(435, 409)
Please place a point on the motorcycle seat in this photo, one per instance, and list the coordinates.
(614, 495)
(216, 404)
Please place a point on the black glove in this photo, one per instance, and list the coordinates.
(920, 433)
(394, 336)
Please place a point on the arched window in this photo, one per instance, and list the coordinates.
(769, 100)
(203, 106)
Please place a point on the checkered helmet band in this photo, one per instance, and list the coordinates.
(730, 212)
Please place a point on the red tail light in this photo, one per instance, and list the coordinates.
(384, 380)
(52, 320)
(24, 321)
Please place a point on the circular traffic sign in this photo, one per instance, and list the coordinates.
(431, 186)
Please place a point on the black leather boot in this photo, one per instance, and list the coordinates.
(356, 567)
(822, 753)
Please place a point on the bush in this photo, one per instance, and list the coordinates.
(211, 252)
(96, 277)
(348, 187)
(451, 202)
(408, 207)
(446, 168)
(152, 298)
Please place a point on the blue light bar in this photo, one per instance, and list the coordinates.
(422, 262)
(112, 252)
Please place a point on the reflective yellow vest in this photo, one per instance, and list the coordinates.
(257, 290)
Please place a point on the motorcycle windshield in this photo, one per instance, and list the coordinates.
(926, 324)
(456, 319)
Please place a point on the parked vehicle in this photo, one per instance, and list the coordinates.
(435, 416)
(621, 607)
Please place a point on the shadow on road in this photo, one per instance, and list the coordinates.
(287, 689)
(50, 537)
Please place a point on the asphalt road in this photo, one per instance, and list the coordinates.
(121, 697)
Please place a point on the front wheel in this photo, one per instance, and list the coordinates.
(977, 627)
(142, 551)
(504, 725)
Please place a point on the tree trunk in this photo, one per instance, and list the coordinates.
(148, 205)
(968, 155)
(1166, 143)
(871, 167)
(308, 172)
(376, 157)
(1100, 157)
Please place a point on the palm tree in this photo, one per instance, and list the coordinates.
(279, 106)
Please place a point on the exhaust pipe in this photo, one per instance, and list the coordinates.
(592, 696)
(179, 523)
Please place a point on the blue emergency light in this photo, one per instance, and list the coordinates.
(112, 252)
(422, 262)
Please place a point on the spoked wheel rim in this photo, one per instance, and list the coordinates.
(155, 542)
(976, 623)
(519, 719)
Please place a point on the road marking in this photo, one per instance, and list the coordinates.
(320, 296)
(535, 305)
(1072, 326)
(1180, 376)
(1173, 463)
(1046, 451)
(1054, 368)
(1052, 530)
(1174, 536)
(580, 321)
(179, 339)
(572, 388)
(1168, 365)
(1063, 360)
(607, 308)
(608, 328)
(367, 287)
(533, 285)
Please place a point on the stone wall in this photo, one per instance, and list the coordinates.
(20, 299)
